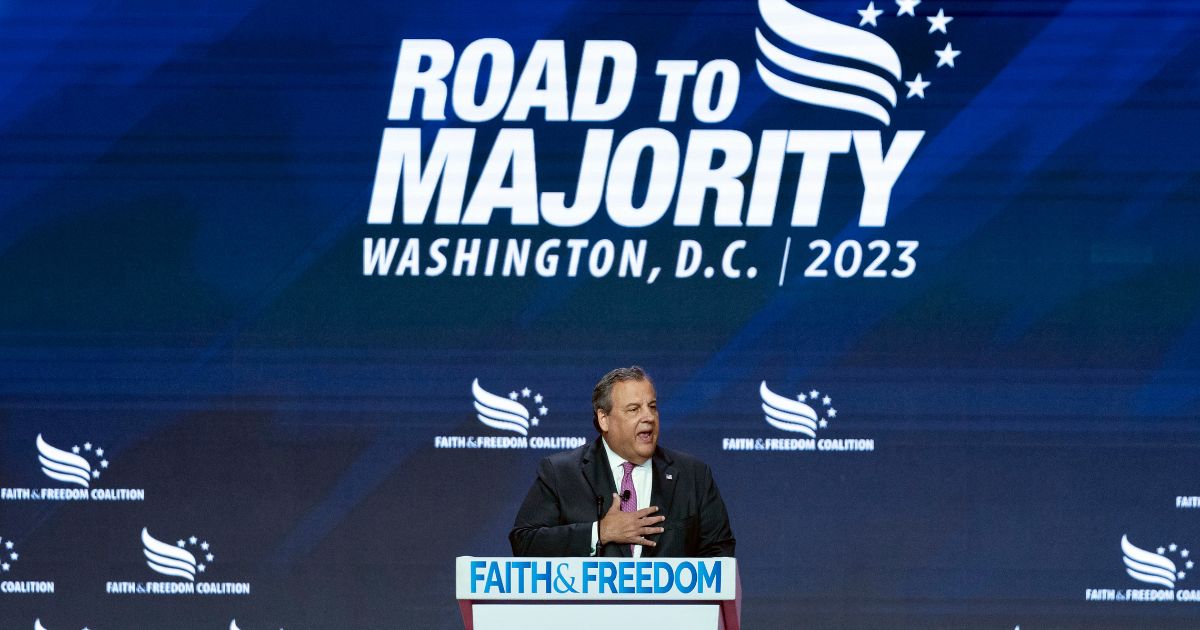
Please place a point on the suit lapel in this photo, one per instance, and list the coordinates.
(662, 491)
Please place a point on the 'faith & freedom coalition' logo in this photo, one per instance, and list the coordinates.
(804, 416)
(9, 556)
(512, 416)
(79, 469)
(188, 560)
(1166, 566)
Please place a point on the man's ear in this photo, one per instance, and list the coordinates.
(602, 420)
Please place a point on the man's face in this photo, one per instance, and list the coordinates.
(631, 428)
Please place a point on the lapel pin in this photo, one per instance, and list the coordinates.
(670, 476)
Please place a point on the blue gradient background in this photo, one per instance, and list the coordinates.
(184, 196)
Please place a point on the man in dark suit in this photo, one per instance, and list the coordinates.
(623, 495)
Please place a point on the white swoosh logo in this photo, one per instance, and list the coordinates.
(813, 33)
(168, 559)
(499, 412)
(787, 414)
(63, 465)
(1147, 566)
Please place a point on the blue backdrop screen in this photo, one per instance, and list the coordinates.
(918, 280)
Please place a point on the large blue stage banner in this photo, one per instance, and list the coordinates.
(297, 295)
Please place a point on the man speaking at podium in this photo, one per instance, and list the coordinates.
(623, 495)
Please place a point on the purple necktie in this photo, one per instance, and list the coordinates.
(628, 495)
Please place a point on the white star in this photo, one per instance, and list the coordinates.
(1161, 550)
(4, 566)
(525, 393)
(180, 543)
(1184, 553)
(946, 56)
(802, 398)
(99, 452)
(104, 463)
(826, 401)
(75, 449)
(537, 399)
(1173, 547)
(200, 567)
(917, 86)
(193, 540)
(95, 474)
(939, 22)
(533, 421)
(14, 555)
(512, 395)
(1190, 564)
(832, 413)
(209, 557)
(8, 545)
(869, 14)
(87, 446)
(543, 410)
(907, 6)
(823, 423)
(814, 393)
(204, 545)
(1182, 575)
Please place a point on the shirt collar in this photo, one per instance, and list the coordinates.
(615, 461)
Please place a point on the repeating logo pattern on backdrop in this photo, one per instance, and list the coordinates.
(188, 560)
(806, 414)
(79, 469)
(512, 417)
(1166, 566)
(10, 556)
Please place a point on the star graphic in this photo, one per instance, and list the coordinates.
(1184, 553)
(512, 395)
(193, 540)
(1173, 547)
(209, 557)
(869, 14)
(204, 545)
(537, 399)
(180, 543)
(543, 410)
(4, 566)
(814, 393)
(525, 393)
(75, 449)
(802, 398)
(8, 545)
(95, 474)
(939, 22)
(1161, 550)
(533, 421)
(14, 556)
(1181, 575)
(907, 6)
(200, 567)
(826, 401)
(1190, 564)
(832, 413)
(917, 86)
(946, 56)
(99, 452)
(104, 463)
(87, 446)
(823, 423)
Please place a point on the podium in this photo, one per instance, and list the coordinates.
(598, 593)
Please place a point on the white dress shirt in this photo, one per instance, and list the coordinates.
(643, 485)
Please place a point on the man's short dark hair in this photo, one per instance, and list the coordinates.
(602, 393)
